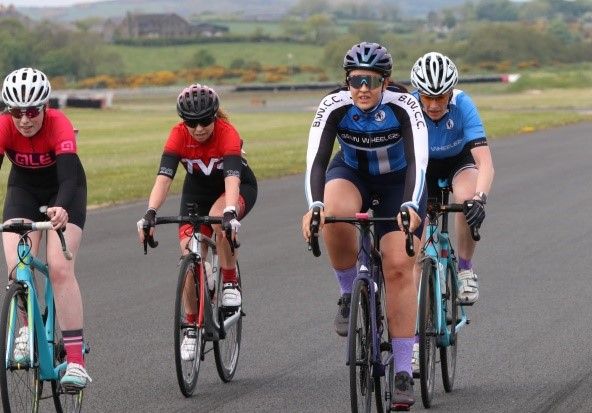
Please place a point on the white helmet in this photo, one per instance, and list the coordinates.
(26, 87)
(434, 74)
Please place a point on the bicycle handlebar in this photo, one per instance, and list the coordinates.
(19, 226)
(194, 220)
(435, 209)
(360, 218)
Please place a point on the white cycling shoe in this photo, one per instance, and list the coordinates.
(231, 296)
(21, 346)
(468, 287)
(188, 345)
(415, 360)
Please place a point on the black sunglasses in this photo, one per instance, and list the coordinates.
(203, 122)
(372, 82)
(30, 112)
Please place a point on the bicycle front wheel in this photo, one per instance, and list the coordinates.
(19, 380)
(189, 340)
(427, 334)
(226, 350)
(359, 349)
(448, 353)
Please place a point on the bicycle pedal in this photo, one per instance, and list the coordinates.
(385, 346)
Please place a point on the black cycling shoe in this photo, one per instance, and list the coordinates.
(403, 398)
(342, 317)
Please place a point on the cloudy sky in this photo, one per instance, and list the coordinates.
(44, 3)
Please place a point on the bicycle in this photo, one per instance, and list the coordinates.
(369, 353)
(200, 293)
(440, 316)
(43, 357)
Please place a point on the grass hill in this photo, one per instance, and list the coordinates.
(247, 9)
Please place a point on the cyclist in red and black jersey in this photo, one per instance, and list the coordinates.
(218, 178)
(46, 171)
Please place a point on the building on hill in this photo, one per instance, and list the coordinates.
(169, 25)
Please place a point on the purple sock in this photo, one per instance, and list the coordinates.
(345, 278)
(402, 353)
(464, 264)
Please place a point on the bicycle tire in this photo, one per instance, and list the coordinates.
(427, 334)
(63, 400)
(227, 350)
(188, 283)
(359, 347)
(383, 385)
(19, 384)
(448, 353)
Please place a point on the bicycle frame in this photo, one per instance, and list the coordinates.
(208, 318)
(45, 335)
(369, 258)
(438, 248)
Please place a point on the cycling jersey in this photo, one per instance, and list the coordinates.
(391, 137)
(460, 126)
(207, 164)
(46, 169)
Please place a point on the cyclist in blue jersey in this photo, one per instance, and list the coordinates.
(381, 165)
(459, 152)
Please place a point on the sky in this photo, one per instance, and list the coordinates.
(44, 3)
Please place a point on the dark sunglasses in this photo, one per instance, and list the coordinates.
(30, 112)
(203, 122)
(372, 82)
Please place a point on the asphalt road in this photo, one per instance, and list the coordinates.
(526, 350)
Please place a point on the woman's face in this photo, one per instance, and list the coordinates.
(199, 132)
(366, 88)
(435, 106)
(28, 121)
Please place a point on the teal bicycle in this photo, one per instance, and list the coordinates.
(30, 341)
(441, 316)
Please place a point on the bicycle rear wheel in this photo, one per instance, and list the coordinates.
(427, 334)
(448, 353)
(65, 401)
(359, 349)
(226, 350)
(188, 294)
(19, 381)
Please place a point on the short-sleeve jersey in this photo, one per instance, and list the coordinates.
(389, 138)
(458, 127)
(34, 158)
(55, 137)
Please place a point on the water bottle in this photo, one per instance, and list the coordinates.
(442, 275)
(210, 276)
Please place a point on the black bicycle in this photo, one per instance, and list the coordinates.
(370, 358)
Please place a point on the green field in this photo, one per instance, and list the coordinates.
(121, 146)
(138, 60)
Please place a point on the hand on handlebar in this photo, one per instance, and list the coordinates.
(146, 230)
(409, 221)
(58, 216)
(230, 226)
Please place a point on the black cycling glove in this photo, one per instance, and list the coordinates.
(474, 211)
(150, 218)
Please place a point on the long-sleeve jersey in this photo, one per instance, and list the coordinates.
(460, 126)
(392, 137)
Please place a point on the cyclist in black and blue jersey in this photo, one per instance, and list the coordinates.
(381, 165)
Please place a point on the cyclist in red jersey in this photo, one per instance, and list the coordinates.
(46, 171)
(218, 179)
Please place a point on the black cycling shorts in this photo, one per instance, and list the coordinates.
(23, 202)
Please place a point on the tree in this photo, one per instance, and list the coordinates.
(497, 10)
(321, 28)
(201, 58)
(368, 31)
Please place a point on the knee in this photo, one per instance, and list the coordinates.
(61, 273)
(399, 270)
